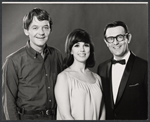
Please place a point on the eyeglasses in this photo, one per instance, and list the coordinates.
(119, 38)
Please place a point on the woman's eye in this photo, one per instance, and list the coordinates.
(86, 45)
(76, 45)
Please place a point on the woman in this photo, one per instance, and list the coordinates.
(78, 90)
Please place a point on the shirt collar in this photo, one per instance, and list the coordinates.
(33, 52)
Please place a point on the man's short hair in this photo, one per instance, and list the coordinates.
(40, 14)
(115, 24)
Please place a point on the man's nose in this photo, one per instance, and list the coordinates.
(41, 31)
(115, 41)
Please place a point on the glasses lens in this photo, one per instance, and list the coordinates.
(110, 39)
(120, 38)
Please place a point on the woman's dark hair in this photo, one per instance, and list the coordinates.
(40, 14)
(78, 35)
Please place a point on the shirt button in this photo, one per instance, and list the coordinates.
(46, 74)
(48, 87)
(34, 57)
(49, 100)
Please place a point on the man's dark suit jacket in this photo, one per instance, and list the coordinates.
(132, 98)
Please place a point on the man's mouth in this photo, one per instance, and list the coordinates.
(40, 37)
(117, 47)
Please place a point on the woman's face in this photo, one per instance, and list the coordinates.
(81, 51)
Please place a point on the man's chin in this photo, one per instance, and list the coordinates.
(42, 44)
(118, 54)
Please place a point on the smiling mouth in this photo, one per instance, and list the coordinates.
(40, 37)
(117, 47)
(82, 55)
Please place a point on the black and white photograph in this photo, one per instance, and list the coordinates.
(74, 61)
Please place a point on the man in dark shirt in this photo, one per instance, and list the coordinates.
(29, 74)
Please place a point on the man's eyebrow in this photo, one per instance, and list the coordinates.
(33, 25)
(38, 25)
(46, 25)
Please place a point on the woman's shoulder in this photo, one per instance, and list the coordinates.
(61, 83)
(62, 79)
(95, 74)
(64, 73)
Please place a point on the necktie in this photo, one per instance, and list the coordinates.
(118, 61)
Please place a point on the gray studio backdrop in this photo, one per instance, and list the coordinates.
(67, 17)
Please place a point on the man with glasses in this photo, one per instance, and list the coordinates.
(124, 77)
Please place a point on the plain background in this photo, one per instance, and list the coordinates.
(67, 17)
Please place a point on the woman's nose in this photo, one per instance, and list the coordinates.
(82, 48)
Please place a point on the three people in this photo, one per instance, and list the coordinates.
(29, 74)
(124, 76)
(78, 90)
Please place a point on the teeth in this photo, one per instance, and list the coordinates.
(81, 54)
(40, 37)
(117, 47)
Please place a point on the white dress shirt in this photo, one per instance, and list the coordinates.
(117, 72)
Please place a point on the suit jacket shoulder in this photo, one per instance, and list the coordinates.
(141, 62)
(102, 67)
(103, 64)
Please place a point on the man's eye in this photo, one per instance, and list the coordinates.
(34, 28)
(46, 27)
(110, 38)
(120, 36)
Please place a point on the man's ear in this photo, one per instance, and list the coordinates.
(26, 32)
(129, 37)
(106, 42)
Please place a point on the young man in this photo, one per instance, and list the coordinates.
(124, 77)
(29, 74)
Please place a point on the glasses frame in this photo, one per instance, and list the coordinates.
(116, 37)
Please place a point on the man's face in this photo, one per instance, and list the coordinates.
(118, 49)
(38, 32)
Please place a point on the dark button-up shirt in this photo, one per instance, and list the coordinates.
(28, 80)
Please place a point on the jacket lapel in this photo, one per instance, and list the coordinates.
(109, 79)
(125, 77)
